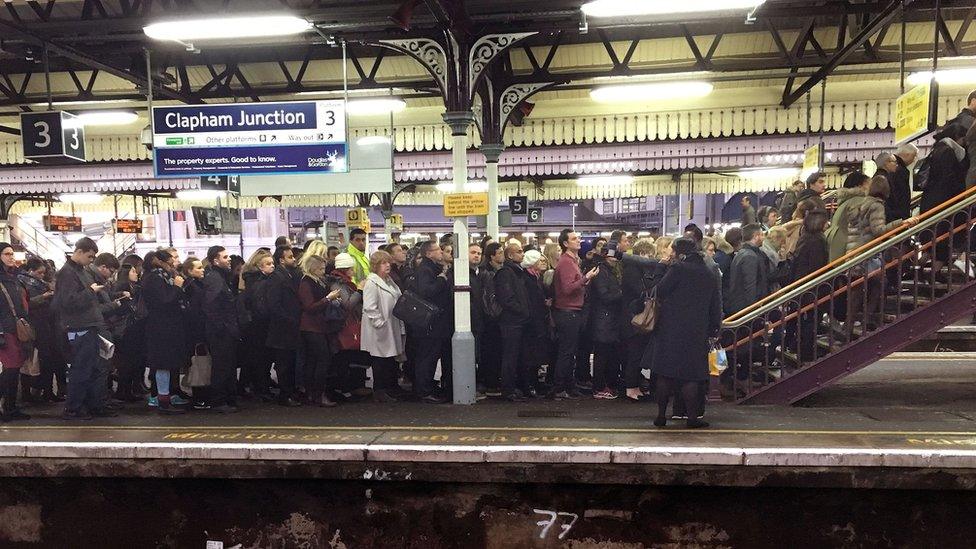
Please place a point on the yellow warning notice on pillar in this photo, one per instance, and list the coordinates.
(357, 218)
(812, 158)
(912, 113)
(465, 204)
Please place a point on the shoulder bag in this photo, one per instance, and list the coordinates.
(646, 320)
(415, 311)
(25, 333)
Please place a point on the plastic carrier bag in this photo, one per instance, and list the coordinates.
(718, 362)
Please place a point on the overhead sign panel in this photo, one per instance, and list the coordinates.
(250, 139)
(465, 204)
(128, 226)
(53, 136)
(61, 224)
(913, 113)
(813, 159)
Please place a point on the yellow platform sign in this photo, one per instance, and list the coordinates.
(357, 218)
(465, 204)
(812, 159)
(912, 113)
(395, 223)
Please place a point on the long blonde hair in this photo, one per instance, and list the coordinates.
(309, 263)
(254, 262)
(662, 245)
(316, 248)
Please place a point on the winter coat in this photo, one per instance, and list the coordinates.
(748, 216)
(219, 304)
(868, 223)
(511, 294)
(382, 333)
(690, 311)
(255, 282)
(605, 297)
(899, 203)
(750, 279)
(312, 294)
(196, 330)
(284, 309)
(787, 205)
(476, 298)
(438, 290)
(165, 321)
(640, 275)
(75, 304)
(41, 315)
(811, 255)
(948, 166)
(810, 194)
(538, 325)
(848, 201)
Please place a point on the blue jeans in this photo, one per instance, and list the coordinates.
(87, 374)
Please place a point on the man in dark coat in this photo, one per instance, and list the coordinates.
(816, 185)
(749, 280)
(748, 211)
(899, 203)
(285, 311)
(76, 303)
(222, 330)
(964, 120)
(512, 295)
(434, 284)
(604, 299)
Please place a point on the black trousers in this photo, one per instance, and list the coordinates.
(429, 351)
(384, 373)
(515, 359)
(223, 378)
(635, 346)
(318, 363)
(606, 366)
(489, 355)
(256, 362)
(569, 324)
(285, 367)
(9, 378)
(583, 353)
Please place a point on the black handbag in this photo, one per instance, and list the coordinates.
(415, 311)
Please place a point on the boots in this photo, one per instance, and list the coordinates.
(166, 406)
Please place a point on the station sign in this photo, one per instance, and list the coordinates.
(250, 139)
(534, 215)
(465, 204)
(395, 223)
(358, 218)
(62, 224)
(913, 113)
(518, 205)
(128, 226)
(52, 137)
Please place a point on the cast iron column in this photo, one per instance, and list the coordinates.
(492, 152)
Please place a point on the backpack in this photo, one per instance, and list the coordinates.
(920, 179)
(259, 299)
(492, 308)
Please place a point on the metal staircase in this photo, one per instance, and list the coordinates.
(815, 332)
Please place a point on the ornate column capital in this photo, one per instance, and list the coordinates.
(492, 151)
(459, 121)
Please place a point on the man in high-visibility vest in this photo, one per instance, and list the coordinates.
(357, 249)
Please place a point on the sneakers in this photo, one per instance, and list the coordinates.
(153, 402)
(605, 394)
(177, 400)
(201, 406)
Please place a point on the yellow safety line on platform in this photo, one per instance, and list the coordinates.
(459, 428)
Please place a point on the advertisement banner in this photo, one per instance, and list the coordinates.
(250, 138)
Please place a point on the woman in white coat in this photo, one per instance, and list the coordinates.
(383, 335)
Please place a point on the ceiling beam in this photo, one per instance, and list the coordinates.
(880, 21)
(79, 56)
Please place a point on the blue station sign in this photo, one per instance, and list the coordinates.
(250, 139)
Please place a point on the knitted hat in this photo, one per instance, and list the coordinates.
(344, 261)
(531, 258)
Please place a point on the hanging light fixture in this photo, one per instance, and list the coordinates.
(216, 28)
(657, 91)
(629, 8)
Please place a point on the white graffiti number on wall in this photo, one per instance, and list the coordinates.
(554, 517)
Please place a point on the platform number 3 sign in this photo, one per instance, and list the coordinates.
(52, 137)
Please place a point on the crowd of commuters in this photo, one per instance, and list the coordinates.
(300, 326)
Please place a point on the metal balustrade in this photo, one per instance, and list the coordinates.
(865, 305)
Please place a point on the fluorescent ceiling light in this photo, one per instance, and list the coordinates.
(623, 8)
(605, 180)
(470, 186)
(200, 194)
(373, 140)
(631, 93)
(528, 235)
(944, 76)
(376, 105)
(216, 28)
(80, 198)
(107, 118)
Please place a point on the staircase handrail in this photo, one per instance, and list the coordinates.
(854, 257)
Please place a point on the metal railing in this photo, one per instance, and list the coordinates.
(868, 288)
